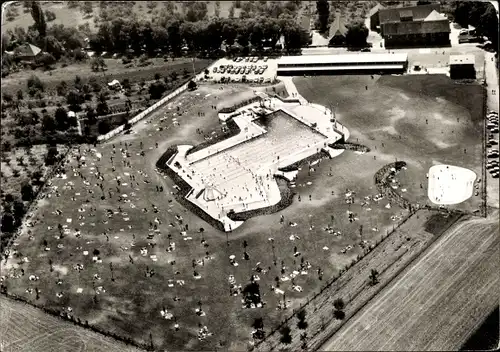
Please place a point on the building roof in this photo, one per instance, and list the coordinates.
(435, 16)
(343, 58)
(376, 9)
(338, 27)
(343, 68)
(27, 50)
(419, 13)
(404, 28)
(462, 59)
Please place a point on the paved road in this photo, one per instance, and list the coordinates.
(436, 303)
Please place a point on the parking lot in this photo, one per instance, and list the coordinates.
(492, 144)
(244, 69)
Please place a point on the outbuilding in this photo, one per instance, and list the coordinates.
(462, 66)
(360, 63)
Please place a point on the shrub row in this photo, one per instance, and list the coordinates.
(239, 105)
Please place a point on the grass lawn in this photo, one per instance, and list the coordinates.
(131, 304)
(423, 120)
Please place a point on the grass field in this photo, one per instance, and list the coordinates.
(121, 309)
(438, 302)
(26, 328)
(422, 120)
(322, 205)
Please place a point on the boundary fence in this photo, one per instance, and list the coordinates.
(143, 114)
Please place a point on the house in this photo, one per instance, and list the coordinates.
(338, 31)
(462, 66)
(27, 52)
(414, 26)
(374, 17)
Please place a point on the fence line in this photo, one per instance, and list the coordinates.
(143, 114)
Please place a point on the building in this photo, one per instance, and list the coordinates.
(27, 52)
(374, 17)
(462, 66)
(414, 26)
(338, 31)
(342, 64)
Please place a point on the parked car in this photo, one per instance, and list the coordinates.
(247, 59)
(214, 70)
(265, 58)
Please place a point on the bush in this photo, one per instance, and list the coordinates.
(34, 85)
(49, 16)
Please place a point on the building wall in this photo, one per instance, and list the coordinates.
(462, 71)
(374, 21)
(338, 40)
(409, 40)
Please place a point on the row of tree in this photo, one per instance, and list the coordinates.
(125, 36)
(481, 15)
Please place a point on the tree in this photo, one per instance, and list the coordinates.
(103, 127)
(374, 277)
(51, 157)
(48, 123)
(192, 85)
(339, 304)
(102, 106)
(61, 119)
(19, 210)
(97, 64)
(19, 95)
(339, 314)
(7, 223)
(49, 15)
(356, 35)
(62, 89)
(86, 7)
(301, 316)
(173, 76)
(27, 192)
(286, 337)
(258, 325)
(39, 18)
(74, 98)
(323, 9)
(34, 85)
(157, 89)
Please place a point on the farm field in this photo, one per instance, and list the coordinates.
(64, 15)
(437, 302)
(119, 228)
(423, 120)
(26, 328)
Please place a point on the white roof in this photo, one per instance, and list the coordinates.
(342, 68)
(462, 59)
(113, 82)
(343, 58)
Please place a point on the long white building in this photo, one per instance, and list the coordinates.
(343, 63)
